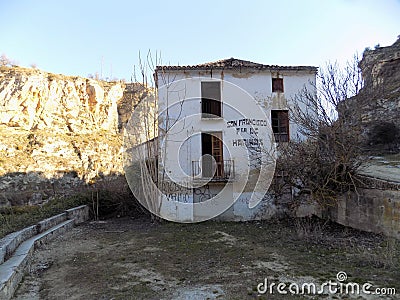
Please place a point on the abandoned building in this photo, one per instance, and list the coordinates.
(218, 124)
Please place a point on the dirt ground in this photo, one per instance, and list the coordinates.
(136, 259)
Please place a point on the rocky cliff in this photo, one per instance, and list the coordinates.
(377, 107)
(58, 132)
(32, 99)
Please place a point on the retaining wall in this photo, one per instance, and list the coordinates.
(16, 249)
(370, 210)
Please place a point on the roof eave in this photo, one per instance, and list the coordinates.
(205, 68)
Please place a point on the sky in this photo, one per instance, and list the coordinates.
(78, 37)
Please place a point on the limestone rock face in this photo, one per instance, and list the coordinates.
(59, 133)
(377, 107)
(381, 67)
(33, 99)
(380, 97)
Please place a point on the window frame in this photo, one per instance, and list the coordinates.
(211, 108)
(277, 85)
(280, 125)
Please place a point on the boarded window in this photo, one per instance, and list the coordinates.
(211, 144)
(280, 125)
(211, 99)
(277, 85)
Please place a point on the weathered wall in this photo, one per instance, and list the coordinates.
(371, 210)
(375, 208)
(246, 96)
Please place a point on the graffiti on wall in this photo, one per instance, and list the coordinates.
(247, 127)
(203, 193)
(177, 192)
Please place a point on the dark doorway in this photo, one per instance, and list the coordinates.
(212, 147)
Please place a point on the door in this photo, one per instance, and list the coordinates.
(212, 147)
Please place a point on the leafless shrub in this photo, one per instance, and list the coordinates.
(141, 135)
(6, 61)
(326, 163)
(113, 197)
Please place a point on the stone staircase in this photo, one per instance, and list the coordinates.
(16, 249)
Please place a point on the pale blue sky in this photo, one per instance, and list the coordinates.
(77, 37)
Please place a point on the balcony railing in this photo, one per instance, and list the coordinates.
(213, 170)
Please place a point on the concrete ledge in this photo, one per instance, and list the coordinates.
(12, 271)
(370, 210)
(16, 249)
(11, 242)
(80, 214)
(50, 222)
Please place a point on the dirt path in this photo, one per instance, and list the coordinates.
(135, 259)
(383, 167)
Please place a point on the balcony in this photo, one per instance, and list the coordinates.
(211, 170)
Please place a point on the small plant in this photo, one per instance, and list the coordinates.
(386, 255)
(309, 228)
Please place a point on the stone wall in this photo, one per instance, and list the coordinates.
(370, 210)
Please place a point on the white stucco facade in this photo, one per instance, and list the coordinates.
(243, 126)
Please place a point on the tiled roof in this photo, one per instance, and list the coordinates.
(233, 63)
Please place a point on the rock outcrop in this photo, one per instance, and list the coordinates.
(377, 107)
(381, 68)
(59, 132)
(33, 99)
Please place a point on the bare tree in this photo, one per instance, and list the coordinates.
(326, 162)
(148, 129)
(140, 140)
(6, 61)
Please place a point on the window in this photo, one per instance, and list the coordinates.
(277, 85)
(211, 99)
(280, 125)
(211, 144)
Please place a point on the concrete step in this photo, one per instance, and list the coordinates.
(16, 249)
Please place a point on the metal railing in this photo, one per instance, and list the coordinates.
(213, 170)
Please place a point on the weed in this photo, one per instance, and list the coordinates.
(386, 255)
(309, 228)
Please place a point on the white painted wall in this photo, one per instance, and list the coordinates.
(244, 95)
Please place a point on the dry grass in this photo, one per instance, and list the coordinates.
(109, 197)
(137, 259)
